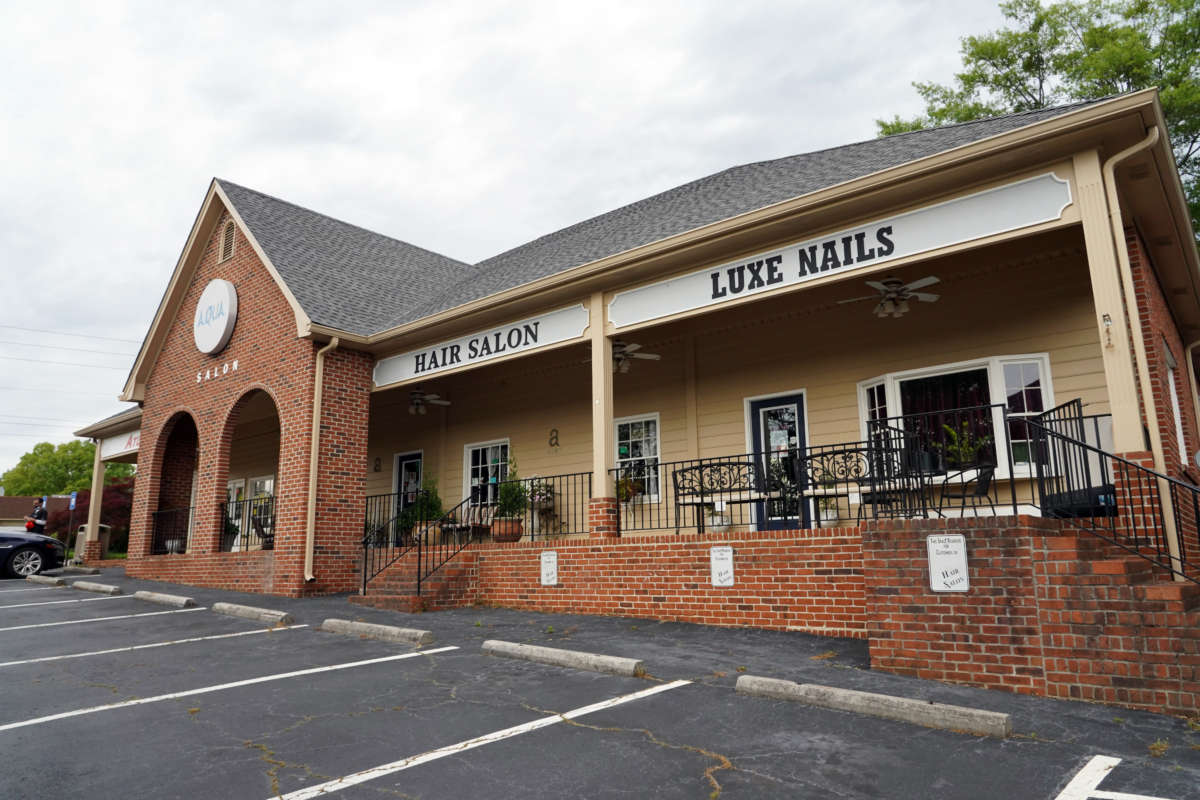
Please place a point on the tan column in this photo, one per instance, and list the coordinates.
(1115, 344)
(602, 399)
(97, 497)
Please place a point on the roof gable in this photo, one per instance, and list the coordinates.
(343, 276)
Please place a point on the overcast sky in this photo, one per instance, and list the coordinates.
(463, 127)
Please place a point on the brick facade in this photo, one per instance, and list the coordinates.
(264, 354)
(1050, 612)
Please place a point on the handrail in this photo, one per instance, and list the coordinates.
(170, 525)
(1111, 497)
(386, 543)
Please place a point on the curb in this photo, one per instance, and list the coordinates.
(905, 709)
(174, 600)
(73, 570)
(370, 630)
(48, 580)
(251, 612)
(613, 665)
(99, 588)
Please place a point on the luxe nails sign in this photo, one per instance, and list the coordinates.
(534, 333)
(975, 216)
(216, 314)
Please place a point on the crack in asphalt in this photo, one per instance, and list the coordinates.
(723, 762)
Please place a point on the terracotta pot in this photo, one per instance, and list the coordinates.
(506, 530)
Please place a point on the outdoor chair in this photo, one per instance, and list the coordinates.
(973, 485)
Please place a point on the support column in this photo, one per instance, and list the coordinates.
(91, 547)
(602, 508)
(1116, 347)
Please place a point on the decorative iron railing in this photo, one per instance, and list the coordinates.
(389, 527)
(170, 529)
(248, 524)
(817, 486)
(1139, 510)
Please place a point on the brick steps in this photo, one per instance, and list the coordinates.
(451, 586)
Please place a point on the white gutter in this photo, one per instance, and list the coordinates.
(310, 526)
(1191, 366)
(1139, 342)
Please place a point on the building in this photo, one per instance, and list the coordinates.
(995, 318)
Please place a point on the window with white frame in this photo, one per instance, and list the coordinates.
(956, 410)
(486, 466)
(637, 457)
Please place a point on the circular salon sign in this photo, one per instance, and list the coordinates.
(216, 314)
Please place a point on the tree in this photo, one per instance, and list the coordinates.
(115, 508)
(47, 469)
(1080, 50)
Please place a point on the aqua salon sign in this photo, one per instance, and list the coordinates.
(963, 219)
(534, 333)
(216, 314)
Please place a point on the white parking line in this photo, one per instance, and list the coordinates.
(59, 602)
(32, 589)
(453, 749)
(1083, 785)
(219, 687)
(101, 619)
(147, 646)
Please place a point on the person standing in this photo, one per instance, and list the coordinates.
(37, 517)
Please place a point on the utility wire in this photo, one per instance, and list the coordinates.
(40, 424)
(52, 390)
(64, 333)
(64, 363)
(64, 347)
(29, 416)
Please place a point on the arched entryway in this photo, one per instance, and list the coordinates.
(248, 509)
(173, 521)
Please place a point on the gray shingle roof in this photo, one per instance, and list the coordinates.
(358, 281)
(342, 275)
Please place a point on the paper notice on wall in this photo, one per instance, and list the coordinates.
(948, 563)
(549, 568)
(722, 565)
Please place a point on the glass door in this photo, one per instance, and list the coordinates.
(777, 431)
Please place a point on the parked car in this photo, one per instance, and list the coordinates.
(23, 553)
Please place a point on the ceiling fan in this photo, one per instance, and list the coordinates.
(894, 294)
(625, 352)
(418, 400)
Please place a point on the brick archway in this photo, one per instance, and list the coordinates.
(246, 468)
(172, 465)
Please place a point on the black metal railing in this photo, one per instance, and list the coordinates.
(1125, 503)
(816, 486)
(547, 506)
(169, 530)
(248, 524)
(951, 439)
(397, 524)
(389, 527)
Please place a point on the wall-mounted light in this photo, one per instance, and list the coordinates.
(378, 464)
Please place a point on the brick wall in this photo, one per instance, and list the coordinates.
(1050, 612)
(784, 580)
(264, 354)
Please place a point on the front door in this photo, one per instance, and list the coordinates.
(408, 480)
(777, 431)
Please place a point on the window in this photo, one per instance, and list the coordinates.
(637, 457)
(956, 410)
(227, 238)
(486, 467)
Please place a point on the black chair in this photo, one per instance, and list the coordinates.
(973, 484)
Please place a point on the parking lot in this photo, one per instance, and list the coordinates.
(116, 697)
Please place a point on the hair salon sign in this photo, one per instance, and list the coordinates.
(534, 333)
(975, 216)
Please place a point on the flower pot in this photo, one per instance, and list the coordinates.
(506, 530)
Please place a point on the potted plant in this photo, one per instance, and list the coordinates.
(827, 506)
(628, 489)
(512, 498)
(424, 509)
(541, 495)
(962, 446)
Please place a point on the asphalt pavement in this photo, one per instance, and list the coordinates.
(121, 698)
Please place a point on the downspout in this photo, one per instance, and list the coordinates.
(310, 526)
(1139, 342)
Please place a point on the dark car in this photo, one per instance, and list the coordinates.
(23, 553)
